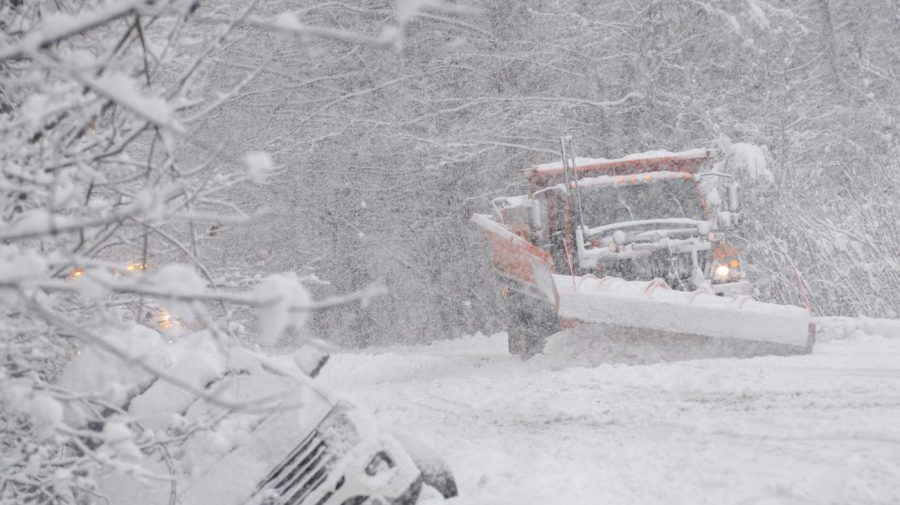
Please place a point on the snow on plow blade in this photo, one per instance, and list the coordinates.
(652, 308)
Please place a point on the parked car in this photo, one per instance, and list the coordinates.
(256, 430)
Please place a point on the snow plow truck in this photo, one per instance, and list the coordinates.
(634, 246)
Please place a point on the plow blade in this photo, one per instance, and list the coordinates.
(735, 325)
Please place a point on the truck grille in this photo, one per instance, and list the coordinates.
(660, 264)
(299, 475)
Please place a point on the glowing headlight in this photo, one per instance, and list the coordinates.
(722, 271)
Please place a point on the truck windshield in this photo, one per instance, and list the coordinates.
(637, 202)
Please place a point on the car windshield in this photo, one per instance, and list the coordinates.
(637, 202)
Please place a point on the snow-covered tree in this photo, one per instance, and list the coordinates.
(111, 195)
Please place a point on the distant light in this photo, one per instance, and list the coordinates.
(136, 265)
(164, 320)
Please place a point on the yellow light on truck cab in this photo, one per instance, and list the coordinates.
(78, 273)
(734, 263)
(722, 270)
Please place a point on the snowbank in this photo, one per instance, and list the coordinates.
(819, 428)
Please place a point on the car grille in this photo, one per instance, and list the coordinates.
(299, 475)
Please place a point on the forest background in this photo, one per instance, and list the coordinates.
(384, 155)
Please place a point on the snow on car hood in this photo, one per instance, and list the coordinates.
(254, 409)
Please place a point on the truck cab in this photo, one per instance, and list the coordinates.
(641, 217)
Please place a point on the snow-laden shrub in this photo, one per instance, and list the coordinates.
(110, 196)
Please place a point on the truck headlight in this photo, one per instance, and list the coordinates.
(721, 271)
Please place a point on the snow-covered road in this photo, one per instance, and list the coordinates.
(823, 428)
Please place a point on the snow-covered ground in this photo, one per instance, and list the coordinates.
(822, 428)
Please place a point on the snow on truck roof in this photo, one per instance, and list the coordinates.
(549, 174)
(648, 158)
(615, 180)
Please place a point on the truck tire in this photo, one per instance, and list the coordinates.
(515, 340)
(528, 332)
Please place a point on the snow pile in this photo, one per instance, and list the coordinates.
(842, 328)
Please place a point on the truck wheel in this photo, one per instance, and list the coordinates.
(515, 340)
(534, 343)
(528, 332)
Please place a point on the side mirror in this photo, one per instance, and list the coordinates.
(311, 357)
(734, 203)
(726, 220)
